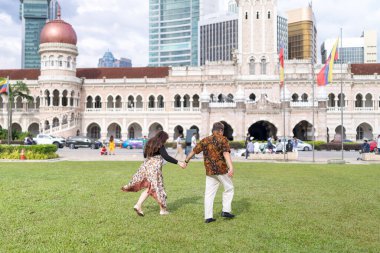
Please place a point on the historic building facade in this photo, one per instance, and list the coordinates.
(245, 95)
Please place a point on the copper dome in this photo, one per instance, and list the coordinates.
(58, 31)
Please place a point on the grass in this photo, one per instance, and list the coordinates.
(78, 207)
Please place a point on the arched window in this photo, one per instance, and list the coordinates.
(221, 98)
(139, 102)
(304, 97)
(110, 102)
(252, 97)
(89, 102)
(268, 14)
(295, 97)
(186, 101)
(257, 15)
(60, 61)
(230, 98)
(196, 101)
(131, 102)
(263, 66)
(69, 62)
(151, 102)
(51, 60)
(331, 102)
(177, 101)
(160, 101)
(246, 15)
(98, 102)
(359, 100)
(212, 98)
(118, 103)
(368, 100)
(251, 66)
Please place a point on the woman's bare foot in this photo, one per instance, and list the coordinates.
(164, 212)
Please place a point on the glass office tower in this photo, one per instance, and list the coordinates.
(33, 14)
(173, 32)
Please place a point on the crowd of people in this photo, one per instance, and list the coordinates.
(272, 146)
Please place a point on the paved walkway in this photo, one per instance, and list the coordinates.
(85, 154)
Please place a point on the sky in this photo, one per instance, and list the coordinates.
(121, 26)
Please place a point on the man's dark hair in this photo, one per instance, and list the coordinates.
(218, 126)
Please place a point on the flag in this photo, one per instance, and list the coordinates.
(326, 74)
(281, 58)
(4, 86)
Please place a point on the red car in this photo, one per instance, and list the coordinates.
(372, 146)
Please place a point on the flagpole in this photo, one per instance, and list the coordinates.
(313, 95)
(9, 113)
(341, 95)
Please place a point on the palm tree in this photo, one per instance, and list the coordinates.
(19, 89)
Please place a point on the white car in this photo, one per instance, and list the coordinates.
(49, 139)
(303, 146)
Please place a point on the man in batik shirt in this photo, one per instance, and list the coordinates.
(219, 170)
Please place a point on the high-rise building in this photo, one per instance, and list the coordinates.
(353, 50)
(33, 15)
(218, 36)
(109, 61)
(173, 31)
(302, 34)
(282, 35)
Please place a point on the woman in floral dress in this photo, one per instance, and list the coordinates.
(149, 175)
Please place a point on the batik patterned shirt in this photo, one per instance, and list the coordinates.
(213, 148)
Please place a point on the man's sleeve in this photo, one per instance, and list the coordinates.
(198, 148)
(225, 145)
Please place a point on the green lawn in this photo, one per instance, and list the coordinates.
(78, 207)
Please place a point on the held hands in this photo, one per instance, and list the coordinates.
(182, 164)
(230, 172)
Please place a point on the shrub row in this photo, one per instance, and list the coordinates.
(338, 146)
(32, 152)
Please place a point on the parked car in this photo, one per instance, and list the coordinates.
(372, 146)
(302, 146)
(48, 139)
(133, 143)
(82, 141)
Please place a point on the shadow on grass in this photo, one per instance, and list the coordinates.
(184, 201)
(241, 206)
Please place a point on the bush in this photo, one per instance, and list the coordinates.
(338, 146)
(317, 144)
(33, 152)
(237, 144)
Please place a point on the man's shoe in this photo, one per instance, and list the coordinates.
(227, 215)
(210, 220)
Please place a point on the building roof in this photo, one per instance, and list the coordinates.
(93, 73)
(365, 69)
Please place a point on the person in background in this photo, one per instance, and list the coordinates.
(103, 150)
(250, 148)
(111, 146)
(289, 146)
(365, 146)
(270, 146)
(247, 140)
(295, 144)
(179, 147)
(149, 175)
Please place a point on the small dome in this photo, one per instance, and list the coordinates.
(58, 31)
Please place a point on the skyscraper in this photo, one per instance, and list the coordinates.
(109, 61)
(354, 50)
(282, 35)
(33, 15)
(302, 34)
(218, 37)
(173, 31)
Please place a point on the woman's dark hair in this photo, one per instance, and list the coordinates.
(155, 143)
(111, 138)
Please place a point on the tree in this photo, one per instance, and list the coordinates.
(19, 89)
